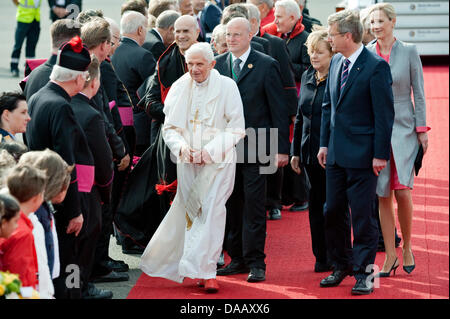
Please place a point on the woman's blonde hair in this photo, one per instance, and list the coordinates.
(387, 8)
(318, 34)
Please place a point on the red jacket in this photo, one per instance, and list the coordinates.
(269, 18)
(18, 254)
(272, 29)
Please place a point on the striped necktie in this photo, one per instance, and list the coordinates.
(236, 69)
(344, 75)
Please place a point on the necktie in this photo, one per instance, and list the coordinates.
(236, 68)
(344, 75)
(200, 27)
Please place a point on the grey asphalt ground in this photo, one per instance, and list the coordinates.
(319, 9)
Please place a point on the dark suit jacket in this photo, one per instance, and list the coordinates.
(261, 90)
(265, 44)
(154, 44)
(133, 65)
(309, 21)
(209, 19)
(279, 52)
(357, 123)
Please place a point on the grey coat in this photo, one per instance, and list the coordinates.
(407, 74)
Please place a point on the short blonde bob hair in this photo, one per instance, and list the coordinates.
(318, 34)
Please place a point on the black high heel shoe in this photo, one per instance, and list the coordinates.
(394, 268)
(409, 269)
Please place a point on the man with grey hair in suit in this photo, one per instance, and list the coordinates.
(162, 35)
(133, 65)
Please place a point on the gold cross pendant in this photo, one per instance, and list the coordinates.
(195, 121)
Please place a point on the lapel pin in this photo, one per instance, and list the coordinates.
(250, 66)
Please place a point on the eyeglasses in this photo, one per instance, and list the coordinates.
(333, 35)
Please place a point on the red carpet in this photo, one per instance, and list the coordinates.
(290, 260)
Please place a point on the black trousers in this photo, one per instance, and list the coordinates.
(295, 187)
(355, 188)
(29, 31)
(89, 235)
(246, 217)
(317, 198)
(68, 284)
(102, 247)
(274, 188)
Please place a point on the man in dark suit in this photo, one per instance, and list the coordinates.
(355, 141)
(209, 18)
(278, 51)
(161, 36)
(133, 65)
(259, 81)
(61, 9)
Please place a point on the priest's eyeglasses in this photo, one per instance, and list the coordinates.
(233, 35)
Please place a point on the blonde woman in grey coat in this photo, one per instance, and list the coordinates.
(409, 131)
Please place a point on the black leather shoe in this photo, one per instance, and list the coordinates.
(116, 265)
(335, 278)
(133, 249)
(232, 269)
(274, 214)
(95, 293)
(221, 261)
(299, 207)
(362, 287)
(256, 275)
(15, 73)
(322, 267)
(113, 276)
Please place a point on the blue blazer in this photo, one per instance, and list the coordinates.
(357, 123)
(209, 19)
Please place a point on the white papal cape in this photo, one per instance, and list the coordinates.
(206, 116)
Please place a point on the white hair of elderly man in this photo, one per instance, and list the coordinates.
(131, 21)
(202, 48)
(291, 8)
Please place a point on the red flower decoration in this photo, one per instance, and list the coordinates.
(77, 44)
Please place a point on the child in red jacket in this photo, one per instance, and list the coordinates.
(18, 253)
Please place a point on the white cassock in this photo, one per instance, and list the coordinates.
(206, 116)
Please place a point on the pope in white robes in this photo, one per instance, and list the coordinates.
(204, 121)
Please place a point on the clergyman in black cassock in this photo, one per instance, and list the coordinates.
(92, 124)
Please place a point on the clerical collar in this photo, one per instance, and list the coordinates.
(243, 57)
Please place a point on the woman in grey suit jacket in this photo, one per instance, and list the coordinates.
(409, 131)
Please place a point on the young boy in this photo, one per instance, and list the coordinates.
(27, 185)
